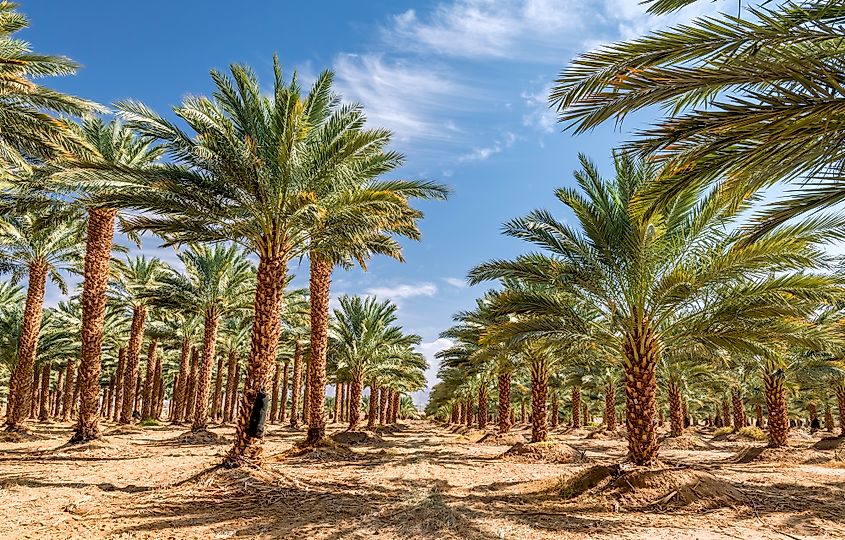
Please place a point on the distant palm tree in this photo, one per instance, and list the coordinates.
(31, 248)
(218, 283)
(136, 277)
(750, 100)
(28, 132)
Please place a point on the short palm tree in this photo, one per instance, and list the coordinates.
(136, 277)
(636, 280)
(30, 248)
(750, 100)
(217, 284)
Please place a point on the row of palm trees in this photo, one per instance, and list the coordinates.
(664, 268)
(282, 174)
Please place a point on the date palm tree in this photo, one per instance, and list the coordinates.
(241, 177)
(29, 247)
(136, 277)
(640, 280)
(750, 100)
(217, 284)
(28, 132)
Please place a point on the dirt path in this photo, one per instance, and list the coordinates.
(424, 481)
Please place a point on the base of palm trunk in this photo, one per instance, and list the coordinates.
(17, 428)
(315, 434)
(85, 435)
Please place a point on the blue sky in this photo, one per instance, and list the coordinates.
(462, 83)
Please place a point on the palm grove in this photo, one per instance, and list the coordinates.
(247, 184)
(671, 282)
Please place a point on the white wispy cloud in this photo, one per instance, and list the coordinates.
(539, 116)
(455, 282)
(411, 99)
(404, 291)
(428, 350)
(482, 153)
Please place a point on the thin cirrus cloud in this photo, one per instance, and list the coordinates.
(455, 282)
(403, 291)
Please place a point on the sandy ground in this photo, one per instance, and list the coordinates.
(423, 481)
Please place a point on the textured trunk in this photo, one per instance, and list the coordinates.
(482, 406)
(610, 406)
(109, 396)
(95, 282)
(553, 412)
(840, 400)
(676, 410)
(274, 403)
(454, 414)
(372, 416)
(22, 378)
(338, 393)
(149, 381)
(828, 418)
(43, 412)
(138, 382)
(283, 398)
(231, 387)
(60, 385)
(726, 413)
(470, 412)
(180, 389)
(209, 345)
(320, 283)
(383, 406)
(738, 409)
(119, 374)
(355, 401)
(139, 314)
(191, 395)
(295, 386)
(522, 410)
(70, 382)
(397, 402)
(233, 408)
(576, 406)
(266, 327)
(539, 395)
(306, 402)
(776, 404)
(504, 402)
(814, 415)
(587, 419)
(33, 399)
(640, 349)
(218, 390)
(758, 412)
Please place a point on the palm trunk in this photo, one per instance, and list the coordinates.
(539, 395)
(209, 345)
(726, 413)
(43, 412)
(274, 403)
(576, 407)
(738, 409)
(355, 401)
(676, 410)
(136, 333)
(283, 398)
(372, 416)
(320, 284)
(149, 381)
(504, 402)
(295, 386)
(640, 348)
(218, 390)
(586, 411)
(338, 393)
(180, 389)
(482, 406)
(231, 387)
(137, 396)
(306, 402)
(814, 416)
(270, 284)
(610, 406)
(828, 418)
(553, 412)
(383, 405)
(191, 396)
(70, 383)
(840, 400)
(22, 377)
(60, 385)
(758, 412)
(470, 412)
(95, 282)
(118, 383)
(397, 402)
(776, 404)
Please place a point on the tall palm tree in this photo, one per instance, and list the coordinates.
(365, 336)
(28, 132)
(354, 218)
(241, 177)
(217, 284)
(750, 100)
(136, 277)
(639, 280)
(29, 247)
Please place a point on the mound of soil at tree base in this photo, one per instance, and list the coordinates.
(497, 439)
(232, 488)
(20, 435)
(543, 452)
(637, 488)
(391, 428)
(784, 455)
(605, 435)
(830, 443)
(351, 438)
(202, 436)
(686, 441)
(322, 451)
